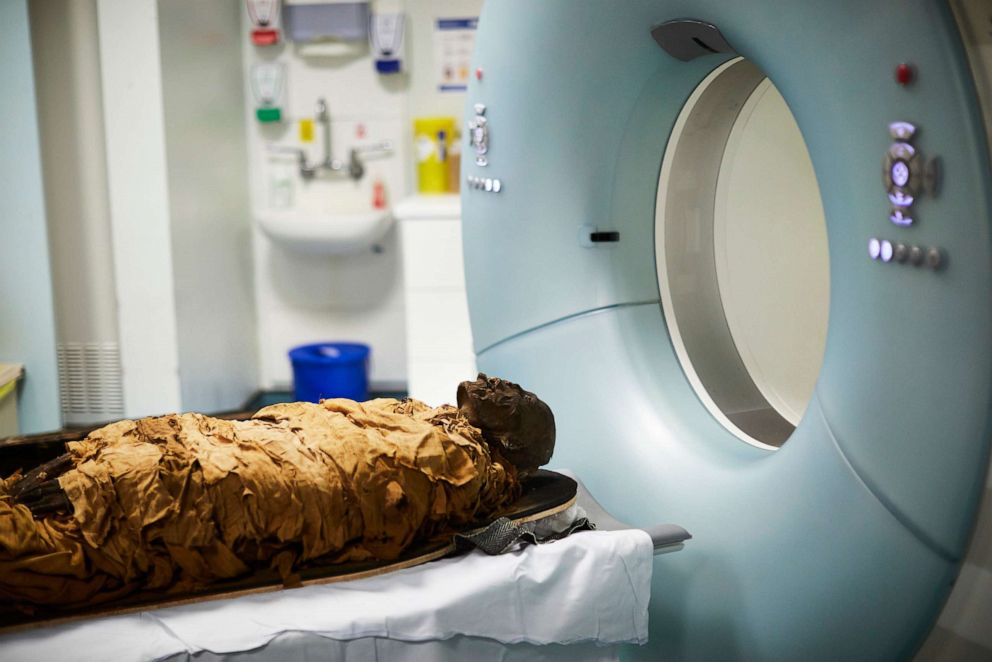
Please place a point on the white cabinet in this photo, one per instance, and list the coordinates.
(438, 334)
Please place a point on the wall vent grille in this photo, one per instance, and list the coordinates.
(90, 382)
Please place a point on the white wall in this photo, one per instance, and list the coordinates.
(210, 226)
(425, 99)
(303, 299)
(360, 297)
(152, 187)
(141, 112)
(27, 325)
(139, 204)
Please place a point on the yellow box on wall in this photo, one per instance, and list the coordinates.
(431, 144)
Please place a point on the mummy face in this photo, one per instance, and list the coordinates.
(515, 421)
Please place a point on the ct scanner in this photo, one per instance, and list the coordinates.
(829, 526)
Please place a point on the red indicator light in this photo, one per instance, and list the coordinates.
(478, 74)
(265, 37)
(905, 74)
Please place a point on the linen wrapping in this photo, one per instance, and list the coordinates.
(176, 502)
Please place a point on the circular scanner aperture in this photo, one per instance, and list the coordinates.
(742, 254)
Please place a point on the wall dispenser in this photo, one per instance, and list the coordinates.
(263, 15)
(386, 39)
(326, 28)
(267, 85)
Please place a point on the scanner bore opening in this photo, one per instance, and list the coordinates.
(742, 259)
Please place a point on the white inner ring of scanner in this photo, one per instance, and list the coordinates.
(742, 257)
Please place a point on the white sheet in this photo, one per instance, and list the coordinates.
(591, 587)
(307, 647)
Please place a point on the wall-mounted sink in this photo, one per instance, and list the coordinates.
(320, 233)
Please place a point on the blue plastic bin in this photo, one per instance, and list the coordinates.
(330, 370)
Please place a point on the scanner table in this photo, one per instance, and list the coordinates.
(578, 598)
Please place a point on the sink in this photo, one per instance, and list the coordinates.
(320, 233)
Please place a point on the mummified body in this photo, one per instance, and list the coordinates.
(179, 501)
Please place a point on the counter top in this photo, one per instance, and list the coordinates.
(427, 207)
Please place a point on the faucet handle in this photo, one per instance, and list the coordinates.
(306, 170)
(355, 166)
(381, 147)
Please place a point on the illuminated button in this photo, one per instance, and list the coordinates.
(497, 186)
(902, 151)
(489, 184)
(874, 248)
(886, 251)
(901, 130)
(899, 217)
(901, 199)
(900, 173)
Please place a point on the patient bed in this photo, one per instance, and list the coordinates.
(579, 598)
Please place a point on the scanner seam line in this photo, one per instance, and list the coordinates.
(916, 531)
(566, 318)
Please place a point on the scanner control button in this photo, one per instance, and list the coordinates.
(902, 173)
(874, 248)
(478, 131)
(886, 251)
(916, 255)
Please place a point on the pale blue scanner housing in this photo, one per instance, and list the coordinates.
(844, 543)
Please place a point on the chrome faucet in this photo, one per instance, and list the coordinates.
(354, 168)
(324, 119)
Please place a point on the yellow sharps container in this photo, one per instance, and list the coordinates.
(432, 138)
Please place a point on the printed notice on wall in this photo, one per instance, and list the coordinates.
(454, 40)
